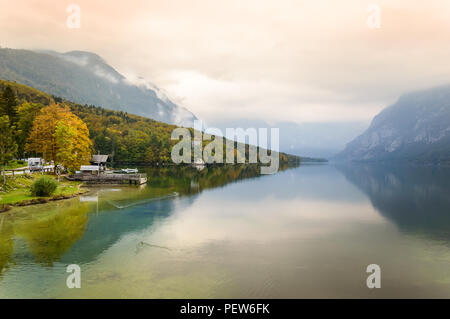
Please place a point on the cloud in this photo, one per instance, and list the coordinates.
(139, 81)
(79, 60)
(302, 61)
(100, 72)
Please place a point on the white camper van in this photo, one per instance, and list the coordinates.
(35, 164)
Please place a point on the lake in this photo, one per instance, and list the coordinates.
(226, 232)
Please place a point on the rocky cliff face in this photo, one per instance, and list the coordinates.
(416, 128)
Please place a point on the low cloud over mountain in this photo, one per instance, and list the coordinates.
(86, 78)
(415, 128)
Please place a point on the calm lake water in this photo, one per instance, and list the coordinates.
(226, 232)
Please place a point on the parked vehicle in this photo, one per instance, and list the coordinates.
(35, 163)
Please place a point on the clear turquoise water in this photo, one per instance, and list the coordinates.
(305, 232)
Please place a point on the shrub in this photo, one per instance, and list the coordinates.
(44, 186)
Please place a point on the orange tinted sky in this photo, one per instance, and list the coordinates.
(303, 61)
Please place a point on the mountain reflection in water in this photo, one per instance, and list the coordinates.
(415, 198)
(306, 232)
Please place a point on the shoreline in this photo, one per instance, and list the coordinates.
(64, 194)
(40, 200)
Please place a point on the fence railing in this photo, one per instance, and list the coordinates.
(20, 171)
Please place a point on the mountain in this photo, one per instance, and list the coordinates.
(127, 138)
(316, 139)
(86, 78)
(416, 128)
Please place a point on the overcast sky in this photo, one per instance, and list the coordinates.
(281, 60)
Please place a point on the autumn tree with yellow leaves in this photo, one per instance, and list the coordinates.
(61, 137)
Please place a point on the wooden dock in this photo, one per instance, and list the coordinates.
(109, 178)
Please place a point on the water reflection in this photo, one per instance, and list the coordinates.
(6, 244)
(305, 232)
(187, 180)
(416, 199)
(110, 224)
(79, 230)
(47, 234)
(49, 237)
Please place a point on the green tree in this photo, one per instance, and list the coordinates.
(103, 143)
(150, 156)
(27, 113)
(8, 105)
(8, 146)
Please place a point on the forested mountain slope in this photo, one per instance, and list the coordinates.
(127, 138)
(84, 77)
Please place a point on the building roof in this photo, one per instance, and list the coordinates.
(99, 158)
(89, 168)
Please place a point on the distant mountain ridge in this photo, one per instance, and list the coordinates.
(86, 78)
(313, 140)
(416, 128)
(127, 138)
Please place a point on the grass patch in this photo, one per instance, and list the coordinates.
(16, 164)
(17, 190)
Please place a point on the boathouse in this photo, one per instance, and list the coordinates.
(97, 173)
(89, 169)
(100, 161)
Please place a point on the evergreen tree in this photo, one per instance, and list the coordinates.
(27, 112)
(8, 146)
(8, 105)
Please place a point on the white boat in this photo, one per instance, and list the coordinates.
(199, 161)
(129, 170)
(199, 164)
